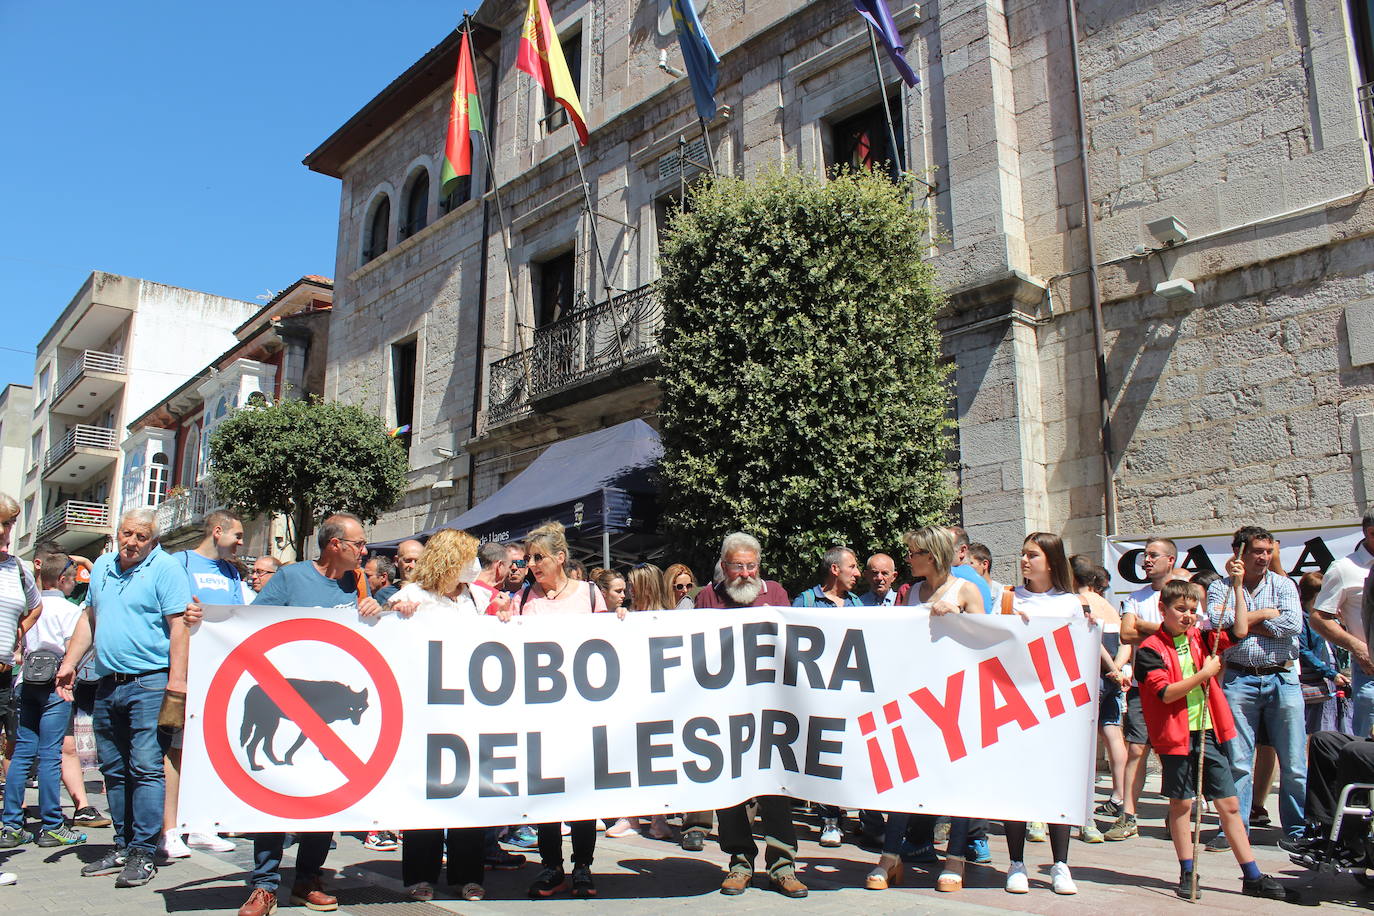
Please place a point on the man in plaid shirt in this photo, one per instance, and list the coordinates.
(1261, 679)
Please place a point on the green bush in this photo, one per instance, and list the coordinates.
(804, 391)
(306, 460)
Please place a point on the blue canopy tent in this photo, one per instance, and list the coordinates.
(598, 485)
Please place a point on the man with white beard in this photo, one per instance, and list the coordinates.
(742, 585)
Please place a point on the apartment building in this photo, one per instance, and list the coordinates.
(1213, 363)
(119, 345)
(16, 416)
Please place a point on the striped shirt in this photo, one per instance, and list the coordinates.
(15, 600)
(1260, 650)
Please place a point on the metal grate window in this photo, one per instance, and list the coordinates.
(690, 155)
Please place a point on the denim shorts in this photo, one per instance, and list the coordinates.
(1109, 709)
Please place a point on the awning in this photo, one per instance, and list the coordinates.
(596, 483)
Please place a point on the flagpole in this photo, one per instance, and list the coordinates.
(500, 216)
(594, 227)
(882, 93)
(710, 153)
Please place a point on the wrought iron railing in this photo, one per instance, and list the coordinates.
(615, 334)
(89, 361)
(73, 514)
(186, 508)
(79, 436)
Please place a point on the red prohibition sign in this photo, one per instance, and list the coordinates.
(250, 658)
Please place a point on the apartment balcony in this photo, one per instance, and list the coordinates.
(75, 524)
(83, 453)
(88, 382)
(588, 352)
(185, 509)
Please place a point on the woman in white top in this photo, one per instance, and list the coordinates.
(438, 586)
(930, 555)
(1092, 581)
(1047, 590)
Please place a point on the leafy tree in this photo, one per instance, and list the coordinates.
(804, 392)
(306, 460)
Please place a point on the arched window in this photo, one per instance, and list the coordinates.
(190, 461)
(377, 229)
(417, 205)
(158, 476)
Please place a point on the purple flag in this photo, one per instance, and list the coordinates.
(878, 16)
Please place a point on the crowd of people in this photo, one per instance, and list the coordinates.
(1231, 677)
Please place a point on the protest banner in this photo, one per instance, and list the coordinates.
(314, 719)
(1301, 550)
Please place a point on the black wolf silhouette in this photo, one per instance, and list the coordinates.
(331, 700)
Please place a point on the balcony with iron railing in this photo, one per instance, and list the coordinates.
(75, 524)
(81, 454)
(186, 508)
(590, 345)
(88, 382)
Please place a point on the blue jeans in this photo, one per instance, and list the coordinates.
(311, 850)
(1275, 700)
(131, 749)
(43, 719)
(1362, 688)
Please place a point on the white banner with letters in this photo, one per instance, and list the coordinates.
(313, 719)
(1301, 550)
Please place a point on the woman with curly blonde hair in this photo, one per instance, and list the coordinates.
(440, 577)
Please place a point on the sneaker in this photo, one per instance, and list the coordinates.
(211, 842)
(1302, 844)
(923, 853)
(1218, 843)
(381, 841)
(173, 847)
(525, 837)
(693, 840)
(623, 827)
(1110, 808)
(89, 816)
(1124, 828)
(549, 882)
(112, 862)
(1035, 832)
(422, 891)
(138, 869)
(500, 860)
(8, 877)
(1259, 818)
(11, 837)
(1089, 833)
(1265, 886)
(60, 836)
(582, 886)
(1060, 879)
(1017, 881)
(978, 852)
(830, 832)
(1185, 886)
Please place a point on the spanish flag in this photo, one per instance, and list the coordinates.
(464, 116)
(541, 56)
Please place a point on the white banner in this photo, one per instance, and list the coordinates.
(1301, 550)
(312, 719)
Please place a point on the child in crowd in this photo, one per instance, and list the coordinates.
(1174, 668)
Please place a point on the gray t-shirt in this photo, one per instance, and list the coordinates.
(302, 585)
(15, 600)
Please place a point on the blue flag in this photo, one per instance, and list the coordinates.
(700, 57)
(878, 16)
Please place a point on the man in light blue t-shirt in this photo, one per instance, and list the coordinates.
(137, 605)
(964, 570)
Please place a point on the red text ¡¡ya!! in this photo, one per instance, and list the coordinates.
(999, 703)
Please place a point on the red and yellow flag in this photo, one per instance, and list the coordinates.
(464, 116)
(541, 56)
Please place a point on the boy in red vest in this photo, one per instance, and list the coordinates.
(1174, 667)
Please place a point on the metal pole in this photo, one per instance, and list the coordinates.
(882, 92)
(605, 543)
(1095, 285)
(710, 154)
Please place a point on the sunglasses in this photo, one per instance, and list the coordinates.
(520, 564)
(682, 587)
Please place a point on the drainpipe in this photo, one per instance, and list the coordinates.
(1095, 285)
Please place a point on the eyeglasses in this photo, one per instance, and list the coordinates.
(740, 567)
(918, 552)
(358, 544)
(537, 558)
(261, 572)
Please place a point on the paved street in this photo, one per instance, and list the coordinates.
(641, 875)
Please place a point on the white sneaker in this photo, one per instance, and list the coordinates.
(1061, 880)
(1017, 882)
(173, 847)
(8, 877)
(210, 841)
(830, 833)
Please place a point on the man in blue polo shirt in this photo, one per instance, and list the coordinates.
(137, 602)
(964, 570)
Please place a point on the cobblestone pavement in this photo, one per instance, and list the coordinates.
(640, 875)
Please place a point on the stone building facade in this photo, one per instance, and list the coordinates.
(1227, 145)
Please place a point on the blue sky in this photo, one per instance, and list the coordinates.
(164, 140)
